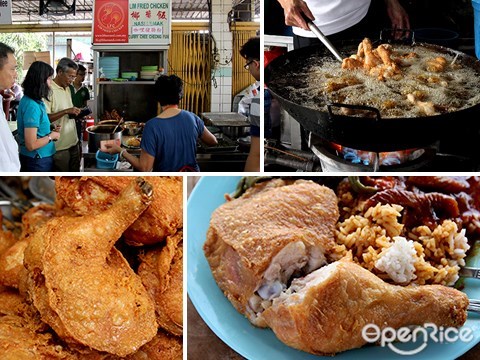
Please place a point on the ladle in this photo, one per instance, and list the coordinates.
(116, 127)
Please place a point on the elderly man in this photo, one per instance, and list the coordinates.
(9, 158)
(61, 111)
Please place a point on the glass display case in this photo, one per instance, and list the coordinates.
(130, 95)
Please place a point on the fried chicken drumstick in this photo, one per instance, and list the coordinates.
(83, 287)
(324, 312)
(89, 194)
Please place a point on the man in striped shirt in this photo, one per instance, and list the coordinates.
(250, 51)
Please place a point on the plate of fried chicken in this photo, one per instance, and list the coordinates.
(276, 270)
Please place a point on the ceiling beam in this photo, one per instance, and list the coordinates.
(15, 28)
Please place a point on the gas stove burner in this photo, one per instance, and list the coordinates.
(375, 159)
(335, 157)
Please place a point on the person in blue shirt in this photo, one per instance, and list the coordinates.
(169, 140)
(35, 136)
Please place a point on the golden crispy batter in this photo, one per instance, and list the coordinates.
(11, 260)
(297, 221)
(11, 264)
(14, 304)
(161, 272)
(7, 239)
(161, 347)
(83, 287)
(327, 310)
(87, 195)
(35, 218)
(18, 341)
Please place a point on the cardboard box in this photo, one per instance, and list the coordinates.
(30, 56)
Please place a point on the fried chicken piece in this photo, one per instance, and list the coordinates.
(325, 312)
(35, 217)
(161, 347)
(83, 287)
(343, 82)
(438, 64)
(7, 239)
(352, 63)
(426, 107)
(88, 195)
(8, 257)
(11, 260)
(11, 264)
(371, 58)
(18, 341)
(256, 243)
(161, 272)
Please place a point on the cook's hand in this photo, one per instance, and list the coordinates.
(73, 111)
(55, 135)
(398, 16)
(113, 148)
(293, 10)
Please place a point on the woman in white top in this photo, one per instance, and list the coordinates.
(9, 158)
(341, 19)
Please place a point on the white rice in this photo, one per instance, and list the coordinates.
(398, 260)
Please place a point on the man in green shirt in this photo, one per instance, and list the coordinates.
(80, 96)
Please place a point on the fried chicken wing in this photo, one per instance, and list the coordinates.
(296, 221)
(83, 287)
(87, 195)
(161, 272)
(325, 312)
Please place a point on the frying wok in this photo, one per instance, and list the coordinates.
(372, 132)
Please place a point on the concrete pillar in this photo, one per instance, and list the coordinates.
(222, 70)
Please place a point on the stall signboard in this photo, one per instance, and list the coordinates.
(110, 24)
(5, 11)
(150, 21)
(132, 22)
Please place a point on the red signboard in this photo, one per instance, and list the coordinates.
(110, 22)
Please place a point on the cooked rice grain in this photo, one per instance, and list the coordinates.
(439, 253)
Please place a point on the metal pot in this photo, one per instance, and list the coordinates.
(368, 133)
(97, 133)
(108, 122)
(132, 128)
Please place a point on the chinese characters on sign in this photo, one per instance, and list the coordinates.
(149, 21)
(132, 21)
(5, 11)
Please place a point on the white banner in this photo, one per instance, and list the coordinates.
(5, 11)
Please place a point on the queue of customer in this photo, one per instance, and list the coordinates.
(47, 132)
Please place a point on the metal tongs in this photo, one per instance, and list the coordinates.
(314, 28)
